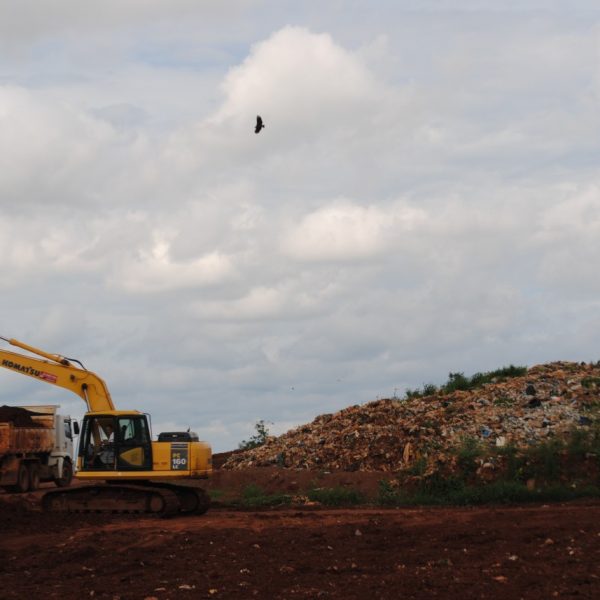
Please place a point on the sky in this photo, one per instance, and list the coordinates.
(424, 199)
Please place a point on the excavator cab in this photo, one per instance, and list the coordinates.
(115, 442)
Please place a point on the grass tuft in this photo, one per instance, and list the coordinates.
(253, 496)
(460, 382)
(337, 496)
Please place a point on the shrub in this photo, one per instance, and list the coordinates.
(545, 460)
(387, 494)
(582, 442)
(578, 443)
(418, 467)
(456, 381)
(505, 372)
(429, 389)
(515, 462)
(466, 455)
(258, 439)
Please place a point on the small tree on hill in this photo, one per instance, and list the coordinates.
(258, 439)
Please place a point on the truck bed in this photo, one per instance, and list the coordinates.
(15, 440)
(38, 434)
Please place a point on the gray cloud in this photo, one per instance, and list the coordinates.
(410, 209)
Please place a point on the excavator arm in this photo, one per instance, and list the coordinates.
(58, 370)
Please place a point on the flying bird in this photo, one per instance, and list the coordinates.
(259, 124)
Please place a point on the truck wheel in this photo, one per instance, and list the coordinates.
(22, 484)
(34, 477)
(67, 475)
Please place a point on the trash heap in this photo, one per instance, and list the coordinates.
(550, 401)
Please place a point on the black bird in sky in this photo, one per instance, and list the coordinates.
(259, 124)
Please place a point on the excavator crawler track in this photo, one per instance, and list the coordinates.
(192, 499)
(113, 499)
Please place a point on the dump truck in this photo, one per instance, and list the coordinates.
(36, 444)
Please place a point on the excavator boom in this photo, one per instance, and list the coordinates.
(59, 371)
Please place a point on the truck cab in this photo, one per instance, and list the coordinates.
(36, 445)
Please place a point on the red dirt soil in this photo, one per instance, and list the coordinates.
(532, 552)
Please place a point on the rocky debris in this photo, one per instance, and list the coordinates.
(390, 435)
(220, 458)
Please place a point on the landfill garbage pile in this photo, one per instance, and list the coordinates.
(549, 401)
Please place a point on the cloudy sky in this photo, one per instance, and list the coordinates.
(425, 198)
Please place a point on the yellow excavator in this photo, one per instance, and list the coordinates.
(124, 470)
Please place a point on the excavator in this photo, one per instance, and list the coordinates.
(123, 469)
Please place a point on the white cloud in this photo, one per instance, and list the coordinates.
(299, 78)
(424, 198)
(155, 271)
(576, 214)
(288, 300)
(346, 232)
(54, 154)
(30, 21)
(309, 91)
(570, 236)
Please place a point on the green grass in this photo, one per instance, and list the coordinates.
(337, 496)
(504, 401)
(590, 382)
(216, 494)
(506, 492)
(460, 382)
(559, 469)
(498, 492)
(253, 496)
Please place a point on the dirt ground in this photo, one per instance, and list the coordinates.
(530, 552)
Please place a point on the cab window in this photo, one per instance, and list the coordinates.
(116, 443)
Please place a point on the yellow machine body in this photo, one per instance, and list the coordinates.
(115, 445)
